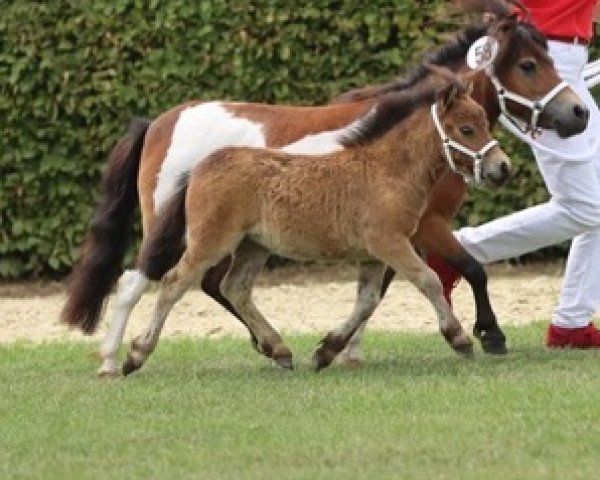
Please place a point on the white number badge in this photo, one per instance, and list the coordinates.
(482, 53)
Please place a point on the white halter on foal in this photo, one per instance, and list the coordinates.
(448, 143)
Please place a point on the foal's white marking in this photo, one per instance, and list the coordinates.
(205, 128)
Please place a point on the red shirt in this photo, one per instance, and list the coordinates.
(563, 18)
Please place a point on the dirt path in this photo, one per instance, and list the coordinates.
(293, 299)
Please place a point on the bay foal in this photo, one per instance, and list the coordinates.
(361, 203)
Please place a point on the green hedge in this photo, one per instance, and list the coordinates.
(72, 73)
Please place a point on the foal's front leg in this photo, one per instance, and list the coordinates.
(248, 260)
(348, 335)
(399, 253)
(435, 237)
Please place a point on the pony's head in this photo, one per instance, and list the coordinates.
(528, 89)
(464, 131)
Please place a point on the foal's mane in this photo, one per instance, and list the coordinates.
(452, 56)
(394, 107)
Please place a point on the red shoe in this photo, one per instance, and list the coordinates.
(584, 337)
(447, 274)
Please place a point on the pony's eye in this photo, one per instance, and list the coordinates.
(528, 66)
(466, 130)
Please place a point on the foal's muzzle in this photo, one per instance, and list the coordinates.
(499, 170)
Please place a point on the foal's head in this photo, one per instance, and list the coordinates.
(463, 127)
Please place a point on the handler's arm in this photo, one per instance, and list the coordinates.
(597, 12)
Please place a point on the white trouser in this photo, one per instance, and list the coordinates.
(573, 210)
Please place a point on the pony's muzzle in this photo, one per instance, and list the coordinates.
(567, 114)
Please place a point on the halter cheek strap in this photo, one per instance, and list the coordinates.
(448, 144)
(536, 107)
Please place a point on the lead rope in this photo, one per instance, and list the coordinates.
(448, 144)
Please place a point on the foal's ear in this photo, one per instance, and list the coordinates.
(448, 95)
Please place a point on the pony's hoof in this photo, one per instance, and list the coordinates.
(322, 358)
(130, 366)
(493, 344)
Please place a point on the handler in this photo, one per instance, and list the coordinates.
(573, 211)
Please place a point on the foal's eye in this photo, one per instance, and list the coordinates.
(466, 130)
(528, 66)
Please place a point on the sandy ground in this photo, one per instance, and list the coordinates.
(294, 299)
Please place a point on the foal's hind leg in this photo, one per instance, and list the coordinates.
(399, 253)
(172, 287)
(352, 354)
(211, 285)
(346, 338)
(248, 260)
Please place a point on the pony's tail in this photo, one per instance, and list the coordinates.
(108, 235)
(166, 242)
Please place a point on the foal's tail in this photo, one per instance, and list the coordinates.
(108, 235)
(163, 248)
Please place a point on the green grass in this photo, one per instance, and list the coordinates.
(213, 409)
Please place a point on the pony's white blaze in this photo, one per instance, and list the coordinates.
(200, 131)
(205, 128)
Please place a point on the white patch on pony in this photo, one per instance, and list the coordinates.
(329, 141)
(200, 131)
(317, 144)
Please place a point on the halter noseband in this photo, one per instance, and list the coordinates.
(536, 107)
(448, 143)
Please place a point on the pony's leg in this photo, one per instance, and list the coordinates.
(352, 354)
(435, 237)
(172, 287)
(369, 296)
(131, 286)
(248, 260)
(211, 285)
(399, 253)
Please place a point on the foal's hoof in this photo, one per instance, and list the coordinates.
(464, 349)
(493, 343)
(459, 340)
(323, 357)
(130, 366)
(351, 361)
(283, 357)
(108, 374)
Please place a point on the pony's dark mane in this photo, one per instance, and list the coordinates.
(452, 56)
(386, 113)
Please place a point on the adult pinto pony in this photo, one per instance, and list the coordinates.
(361, 203)
(152, 156)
